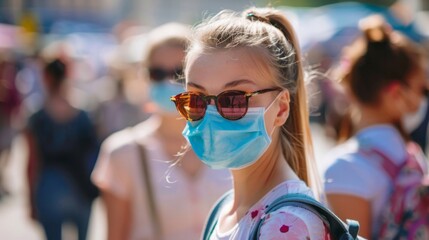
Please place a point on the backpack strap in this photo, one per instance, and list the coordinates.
(214, 215)
(338, 229)
(393, 170)
(387, 164)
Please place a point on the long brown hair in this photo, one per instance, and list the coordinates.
(270, 33)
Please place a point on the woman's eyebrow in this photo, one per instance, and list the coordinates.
(227, 85)
(191, 84)
(238, 82)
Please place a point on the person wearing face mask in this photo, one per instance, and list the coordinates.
(147, 193)
(385, 81)
(246, 108)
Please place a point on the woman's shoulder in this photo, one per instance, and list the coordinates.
(38, 115)
(293, 186)
(82, 118)
(351, 172)
(351, 156)
(345, 157)
(119, 141)
(290, 222)
(119, 158)
(128, 137)
(347, 149)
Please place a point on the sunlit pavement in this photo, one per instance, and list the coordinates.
(16, 225)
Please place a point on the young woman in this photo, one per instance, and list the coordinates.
(247, 111)
(182, 194)
(385, 80)
(62, 146)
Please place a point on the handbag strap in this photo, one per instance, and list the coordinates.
(149, 191)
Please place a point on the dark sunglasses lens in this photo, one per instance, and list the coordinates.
(159, 74)
(191, 106)
(156, 74)
(232, 105)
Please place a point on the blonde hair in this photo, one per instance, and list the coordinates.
(170, 34)
(269, 33)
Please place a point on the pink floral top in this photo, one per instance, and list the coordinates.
(285, 223)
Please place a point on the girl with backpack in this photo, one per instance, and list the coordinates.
(247, 112)
(384, 77)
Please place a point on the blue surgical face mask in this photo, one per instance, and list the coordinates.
(221, 143)
(412, 120)
(161, 92)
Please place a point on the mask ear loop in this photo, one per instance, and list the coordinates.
(272, 103)
(269, 106)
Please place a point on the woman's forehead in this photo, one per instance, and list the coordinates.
(222, 66)
(167, 56)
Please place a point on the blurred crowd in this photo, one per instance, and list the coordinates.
(93, 99)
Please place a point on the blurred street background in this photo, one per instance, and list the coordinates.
(15, 223)
(99, 37)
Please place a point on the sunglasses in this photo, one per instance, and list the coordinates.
(157, 74)
(231, 104)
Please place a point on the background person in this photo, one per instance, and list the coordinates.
(385, 80)
(182, 193)
(62, 151)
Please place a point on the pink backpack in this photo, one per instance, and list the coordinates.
(406, 215)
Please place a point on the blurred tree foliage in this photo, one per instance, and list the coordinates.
(317, 3)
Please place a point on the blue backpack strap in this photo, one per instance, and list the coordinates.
(214, 215)
(353, 227)
(337, 228)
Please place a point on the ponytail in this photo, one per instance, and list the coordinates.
(296, 141)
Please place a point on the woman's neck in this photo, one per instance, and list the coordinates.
(59, 108)
(253, 183)
(370, 116)
(171, 127)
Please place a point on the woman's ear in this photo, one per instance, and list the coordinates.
(394, 94)
(394, 99)
(284, 107)
(393, 90)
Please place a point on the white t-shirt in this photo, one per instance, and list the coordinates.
(353, 174)
(285, 223)
(183, 204)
